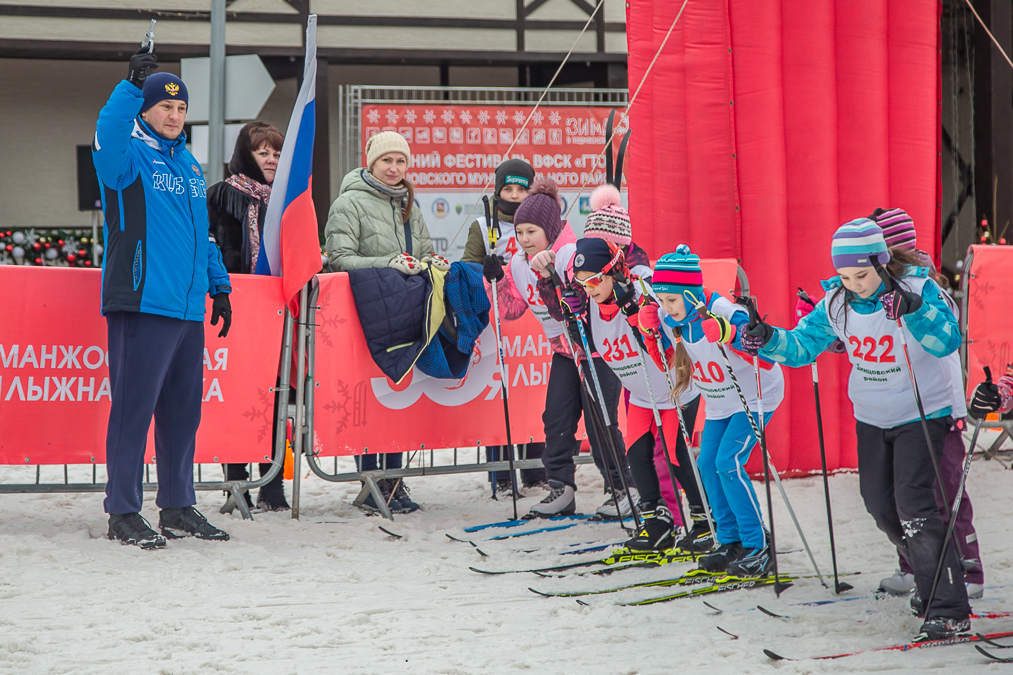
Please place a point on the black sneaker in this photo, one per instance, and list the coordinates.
(699, 539)
(943, 628)
(132, 529)
(655, 532)
(400, 502)
(188, 522)
(755, 562)
(719, 560)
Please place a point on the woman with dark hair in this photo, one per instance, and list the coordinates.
(236, 210)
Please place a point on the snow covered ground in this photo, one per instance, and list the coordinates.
(332, 594)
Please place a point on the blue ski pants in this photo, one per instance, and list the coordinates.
(725, 447)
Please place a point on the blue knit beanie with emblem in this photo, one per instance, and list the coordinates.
(161, 86)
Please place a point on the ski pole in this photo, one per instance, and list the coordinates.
(839, 586)
(642, 350)
(499, 344)
(889, 284)
(692, 458)
(609, 440)
(750, 304)
(702, 310)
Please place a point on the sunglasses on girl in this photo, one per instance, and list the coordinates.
(593, 281)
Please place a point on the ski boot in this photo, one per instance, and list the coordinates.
(561, 501)
(699, 539)
(899, 584)
(719, 560)
(755, 562)
(609, 509)
(943, 628)
(656, 532)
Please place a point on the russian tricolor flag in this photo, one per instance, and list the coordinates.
(289, 247)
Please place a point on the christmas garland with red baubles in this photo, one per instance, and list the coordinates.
(49, 248)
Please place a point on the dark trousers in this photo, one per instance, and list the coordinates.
(564, 404)
(390, 460)
(951, 466)
(649, 475)
(156, 367)
(898, 485)
(495, 453)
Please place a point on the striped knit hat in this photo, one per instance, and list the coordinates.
(898, 228)
(608, 219)
(678, 272)
(854, 243)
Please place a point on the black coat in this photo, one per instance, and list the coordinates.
(228, 206)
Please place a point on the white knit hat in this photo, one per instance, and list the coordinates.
(380, 144)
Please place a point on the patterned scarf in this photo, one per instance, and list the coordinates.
(260, 194)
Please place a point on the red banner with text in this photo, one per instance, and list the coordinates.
(456, 149)
(54, 370)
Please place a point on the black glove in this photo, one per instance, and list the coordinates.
(572, 302)
(626, 298)
(140, 64)
(899, 302)
(221, 307)
(986, 397)
(754, 337)
(492, 268)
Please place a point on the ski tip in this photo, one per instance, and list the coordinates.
(770, 613)
(475, 569)
(987, 654)
(716, 609)
(481, 552)
(541, 593)
(388, 532)
(582, 603)
(775, 657)
(731, 635)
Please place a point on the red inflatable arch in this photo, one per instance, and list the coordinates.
(761, 128)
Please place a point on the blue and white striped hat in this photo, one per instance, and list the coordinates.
(856, 242)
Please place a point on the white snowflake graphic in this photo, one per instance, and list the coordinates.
(30, 238)
(447, 116)
(553, 117)
(410, 116)
(373, 116)
(70, 246)
(501, 117)
(537, 117)
(519, 117)
(465, 117)
(429, 116)
(483, 116)
(392, 116)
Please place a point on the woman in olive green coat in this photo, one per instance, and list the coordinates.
(373, 221)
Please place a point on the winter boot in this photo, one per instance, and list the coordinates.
(917, 606)
(386, 487)
(400, 502)
(755, 562)
(699, 539)
(943, 628)
(719, 560)
(609, 511)
(561, 501)
(188, 522)
(899, 584)
(131, 528)
(975, 591)
(656, 531)
(272, 497)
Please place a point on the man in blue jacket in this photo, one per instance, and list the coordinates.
(160, 262)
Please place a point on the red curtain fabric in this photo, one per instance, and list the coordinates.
(760, 129)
